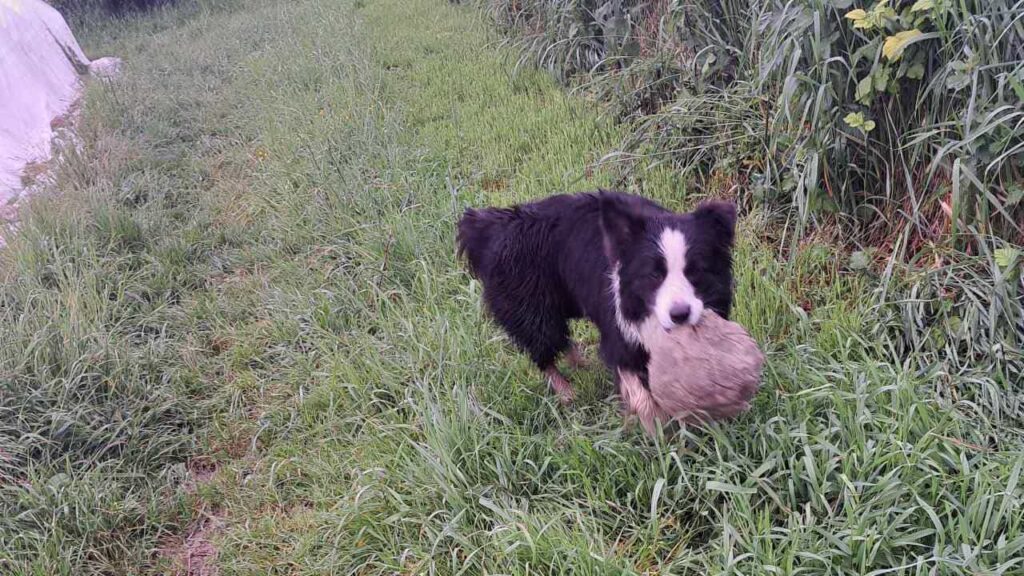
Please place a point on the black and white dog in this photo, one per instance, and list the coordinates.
(616, 259)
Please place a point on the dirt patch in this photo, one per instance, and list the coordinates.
(200, 471)
(194, 554)
(198, 555)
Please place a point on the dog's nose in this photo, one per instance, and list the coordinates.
(679, 313)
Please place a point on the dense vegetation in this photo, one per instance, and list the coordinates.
(891, 112)
(234, 334)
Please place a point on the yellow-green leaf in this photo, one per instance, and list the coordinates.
(922, 5)
(857, 120)
(895, 45)
(1005, 257)
(881, 79)
(863, 94)
(857, 14)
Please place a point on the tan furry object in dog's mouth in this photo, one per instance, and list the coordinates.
(696, 373)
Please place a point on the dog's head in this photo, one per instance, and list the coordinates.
(665, 266)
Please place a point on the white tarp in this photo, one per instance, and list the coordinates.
(41, 66)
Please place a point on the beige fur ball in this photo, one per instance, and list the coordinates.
(696, 373)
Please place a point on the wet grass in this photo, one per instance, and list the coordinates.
(250, 269)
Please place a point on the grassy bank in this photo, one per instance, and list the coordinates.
(241, 329)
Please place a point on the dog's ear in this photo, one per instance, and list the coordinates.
(719, 216)
(620, 224)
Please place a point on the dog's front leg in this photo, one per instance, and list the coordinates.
(563, 389)
(638, 401)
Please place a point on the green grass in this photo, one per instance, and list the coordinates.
(249, 267)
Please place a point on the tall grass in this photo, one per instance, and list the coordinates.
(801, 105)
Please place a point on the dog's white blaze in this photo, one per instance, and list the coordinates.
(675, 289)
(629, 330)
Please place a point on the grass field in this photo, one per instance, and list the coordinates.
(236, 340)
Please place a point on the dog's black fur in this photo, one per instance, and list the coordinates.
(545, 263)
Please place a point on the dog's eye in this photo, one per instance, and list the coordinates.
(657, 270)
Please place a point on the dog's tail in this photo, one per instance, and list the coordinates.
(477, 229)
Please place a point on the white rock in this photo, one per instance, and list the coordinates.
(106, 67)
(41, 69)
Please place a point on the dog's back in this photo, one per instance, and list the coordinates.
(519, 255)
(523, 236)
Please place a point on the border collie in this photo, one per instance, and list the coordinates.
(615, 259)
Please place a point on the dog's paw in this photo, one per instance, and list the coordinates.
(562, 388)
(566, 397)
(638, 403)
